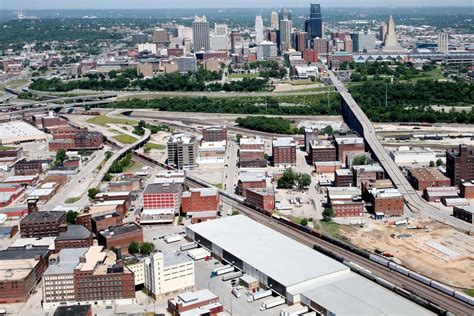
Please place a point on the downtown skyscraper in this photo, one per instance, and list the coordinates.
(201, 34)
(314, 25)
(258, 29)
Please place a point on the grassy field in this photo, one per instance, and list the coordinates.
(151, 146)
(236, 76)
(218, 185)
(330, 227)
(125, 139)
(16, 83)
(72, 200)
(469, 292)
(2, 148)
(103, 120)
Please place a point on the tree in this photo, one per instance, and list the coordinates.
(328, 213)
(360, 160)
(432, 163)
(439, 162)
(304, 222)
(146, 248)
(287, 181)
(238, 137)
(71, 217)
(92, 193)
(107, 177)
(303, 180)
(60, 156)
(134, 247)
(108, 154)
(328, 130)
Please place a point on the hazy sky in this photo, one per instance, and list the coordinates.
(145, 4)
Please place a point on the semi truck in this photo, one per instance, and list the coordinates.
(272, 302)
(258, 295)
(231, 276)
(293, 310)
(172, 238)
(188, 246)
(222, 271)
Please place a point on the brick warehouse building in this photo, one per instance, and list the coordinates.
(28, 168)
(252, 153)
(251, 181)
(214, 133)
(284, 152)
(198, 200)
(460, 164)
(467, 190)
(390, 202)
(121, 236)
(321, 151)
(163, 196)
(348, 145)
(42, 224)
(73, 236)
(83, 139)
(421, 178)
(261, 198)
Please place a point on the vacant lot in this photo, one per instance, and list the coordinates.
(125, 139)
(103, 120)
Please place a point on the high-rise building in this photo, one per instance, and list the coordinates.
(390, 43)
(284, 14)
(274, 20)
(315, 22)
(443, 43)
(300, 41)
(266, 49)
(382, 31)
(363, 41)
(258, 29)
(460, 164)
(234, 40)
(285, 35)
(220, 29)
(139, 38)
(218, 42)
(161, 37)
(182, 151)
(201, 34)
(186, 63)
(322, 46)
(348, 46)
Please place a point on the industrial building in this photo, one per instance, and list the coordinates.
(406, 156)
(120, 237)
(202, 302)
(421, 178)
(284, 152)
(309, 277)
(42, 224)
(348, 145)
(73, 236)
(16, 132)
(182, 151)
(252, 153)
(464, 213)
(216, 133)
(460, 164)
(200, 199)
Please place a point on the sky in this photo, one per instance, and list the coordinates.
(156, 4)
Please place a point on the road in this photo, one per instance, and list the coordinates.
(413, 199)
(230, 173)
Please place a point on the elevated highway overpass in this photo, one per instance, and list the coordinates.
(358, 121)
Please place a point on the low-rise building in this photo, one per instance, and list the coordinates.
(343, 177)
(216, 133)
(167, 274)
(198, 200)
(74, 236)
(321, 151)
(389, 202)
(327, 166)
(252, 153)
(42, 224)
(435, 194)
(10, 192)
(161, 202)
(349, 145)
(467, 190)
(121, 236)
(211, 152)
(421, 178)
(250, 180)
(345, 201)
(262, 198)
(406, 156)
(28, 167)
(464, 213)
(284, 152)
(16, 132)
(364, 173)
(202, 301)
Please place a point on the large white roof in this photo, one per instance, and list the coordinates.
(17, 131)
(277, 256)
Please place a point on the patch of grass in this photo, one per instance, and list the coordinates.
(235, 75)
(218, 185)
(72, 200)
(103, 120)
(16, 83)
(150, 146)
(2, 148)
(330, 227)
(125, 139)
(469, 292)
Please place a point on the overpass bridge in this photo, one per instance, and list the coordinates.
(358, 121)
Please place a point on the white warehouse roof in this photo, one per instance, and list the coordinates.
(267, 250)
(19, 131)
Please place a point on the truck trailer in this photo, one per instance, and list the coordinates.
(258, 295)
(272, 302)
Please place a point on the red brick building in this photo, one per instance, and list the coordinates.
(120, 236)
(73, 236)
(214, 133)
(252, 153)
(310, 55)
(348, 145)
(343, 177)
(261, 198)
(467, 190)
(83, 139)
(28, 168)
(189, 301)
(198, 200)
(390, 202)
(421, 178)
(162, 196)
(321, 151)
(348, 208)
(284, 151)
(436, 194)
(42, 224)
(460, 164)
(251, 181)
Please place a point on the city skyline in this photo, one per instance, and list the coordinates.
(178, 4)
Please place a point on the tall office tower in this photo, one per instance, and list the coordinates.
(382, 31)
(258, 29)
(272, 36)
(182, 151)
(315, 23)
(348, 46)
(300, 41)
(274, 20)
(161, 37)
(220, 29)
(201, 34)
(443, 42)
(234, 40)
(139, 38)
(283, 14)
(285, 35)
(391, 43)
(322, 46)
(266, 49)
(363, 41)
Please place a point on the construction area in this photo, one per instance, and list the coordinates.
(431, 248)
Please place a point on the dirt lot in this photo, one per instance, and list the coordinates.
(438, 251)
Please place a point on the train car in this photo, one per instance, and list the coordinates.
(385, 283)
(379, 260)
(464, 297)
(443, 288)
(420, 278)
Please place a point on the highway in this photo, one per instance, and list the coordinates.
(414, 201)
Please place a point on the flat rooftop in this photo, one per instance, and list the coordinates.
(68, 260)
(163, 188)
(349, 140)
(43, 217)
(251, 141)
(74, 232)
(20, 130)
(121, 229)
(202, 192)
(267, 250)
(181, 138)
(351, 294)
(385, 193)
(428, 174)
(174, 258)
(284, 142)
